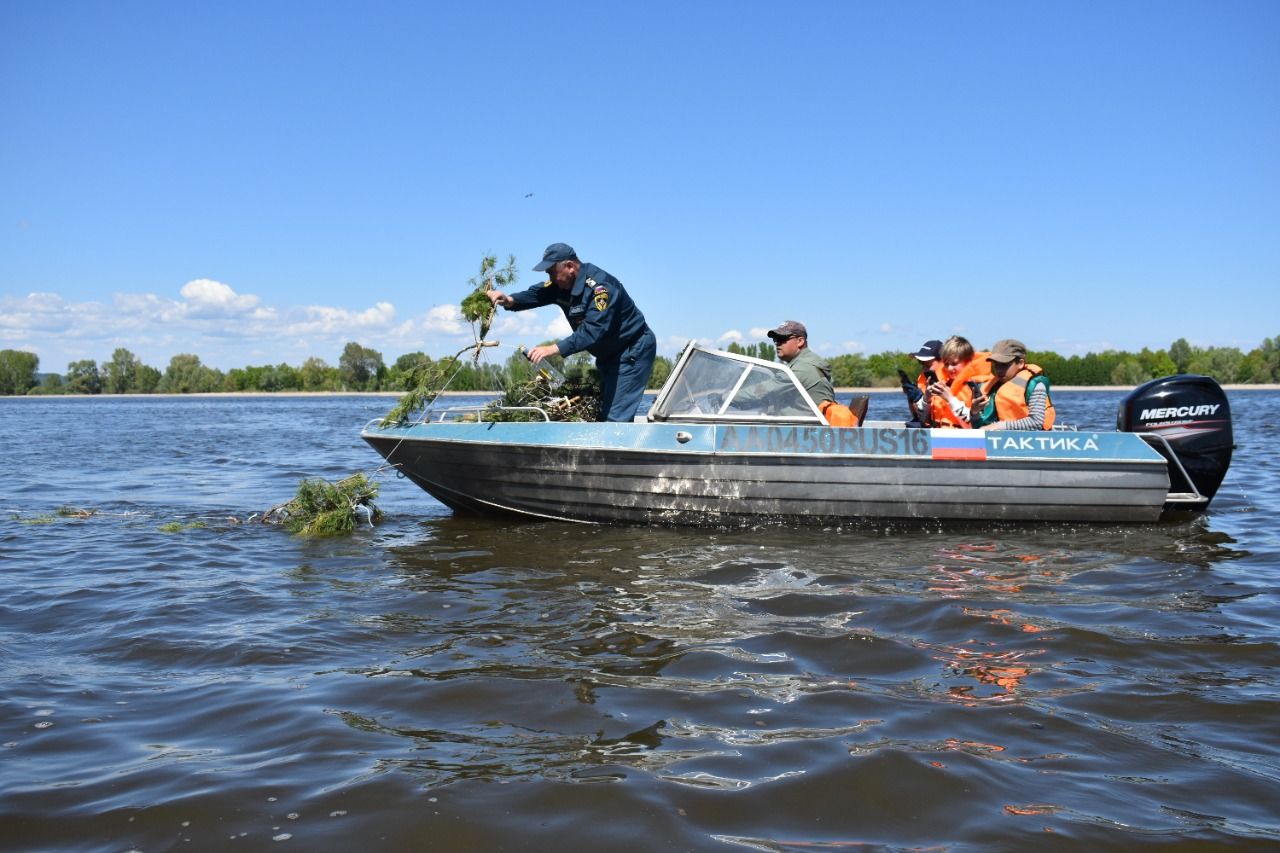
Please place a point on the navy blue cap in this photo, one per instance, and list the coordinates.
(929, 351)
(554, 254)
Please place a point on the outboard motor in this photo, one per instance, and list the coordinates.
(1188, 420)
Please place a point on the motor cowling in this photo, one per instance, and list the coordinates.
(1192, 414)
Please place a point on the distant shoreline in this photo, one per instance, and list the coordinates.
(394, 394)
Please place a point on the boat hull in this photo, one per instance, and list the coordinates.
(732, 475)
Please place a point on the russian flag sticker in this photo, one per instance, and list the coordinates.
(958, 444)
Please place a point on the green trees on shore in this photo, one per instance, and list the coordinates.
(362, 369)
(17, 371)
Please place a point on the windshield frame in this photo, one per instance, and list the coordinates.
(674, 393)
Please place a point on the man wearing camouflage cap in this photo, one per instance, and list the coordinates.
(792, 342)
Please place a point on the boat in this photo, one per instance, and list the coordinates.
(732, 440)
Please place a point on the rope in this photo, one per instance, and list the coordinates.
(479, 346)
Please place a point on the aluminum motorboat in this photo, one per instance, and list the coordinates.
(733, 440)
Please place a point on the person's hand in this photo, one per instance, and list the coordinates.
(537, 354)
(497, 297)
(939, 389)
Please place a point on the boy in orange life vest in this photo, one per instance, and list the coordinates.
(931, 404)
(1019, 392)
(962, 370)
(792, 342)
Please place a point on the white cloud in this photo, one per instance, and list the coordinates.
(731, 336)
(136, 310)
(47, 314)
(444, 319)
(229, 329)
(406, 331)
(207, 297)
(671, 344)
(515, 327)
(226, 329)
(17, 314)
(559, 327)
(760, 333)
(323, 319)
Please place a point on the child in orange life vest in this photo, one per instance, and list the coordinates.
(1018, 392)
(931, 406)
(963, 371)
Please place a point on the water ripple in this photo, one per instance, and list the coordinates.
(174, 677)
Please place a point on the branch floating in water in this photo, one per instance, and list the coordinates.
(322, 508)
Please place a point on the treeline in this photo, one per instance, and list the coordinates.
(363, 369)
(359, 369)
(1228, 365)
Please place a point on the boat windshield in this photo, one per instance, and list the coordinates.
(713, 385)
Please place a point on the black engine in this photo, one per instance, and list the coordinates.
(1192, 414)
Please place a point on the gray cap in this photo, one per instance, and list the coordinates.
(788, 329)
(1007, 350)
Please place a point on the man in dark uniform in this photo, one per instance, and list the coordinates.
(605, 323)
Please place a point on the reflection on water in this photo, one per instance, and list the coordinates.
(487, 684)
(957, 619)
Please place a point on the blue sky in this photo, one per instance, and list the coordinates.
(263, 182)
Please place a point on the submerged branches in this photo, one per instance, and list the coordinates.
(322, 508)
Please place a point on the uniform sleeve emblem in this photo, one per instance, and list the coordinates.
(601, 298)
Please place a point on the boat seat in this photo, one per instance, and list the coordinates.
(858, 405)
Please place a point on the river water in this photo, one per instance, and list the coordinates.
(173, 680)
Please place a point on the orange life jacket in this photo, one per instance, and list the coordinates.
(940, 411)
(837, 415)
(943, 415)
(1011, 397)
(977, 369)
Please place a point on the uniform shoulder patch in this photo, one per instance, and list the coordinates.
(600, 296)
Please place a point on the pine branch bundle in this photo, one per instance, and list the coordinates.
(577, 399)
(322, 508)
(477, 307)
(427, 383)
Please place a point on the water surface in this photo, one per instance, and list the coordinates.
(445, 682)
